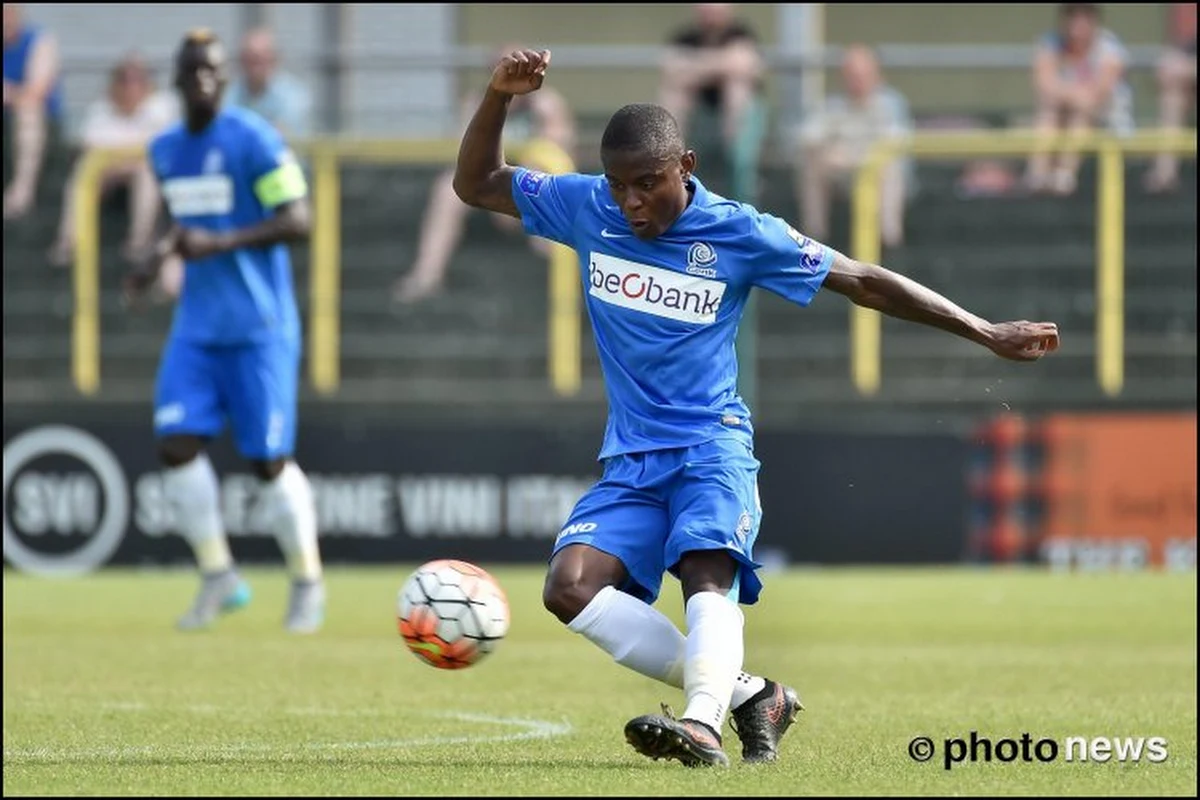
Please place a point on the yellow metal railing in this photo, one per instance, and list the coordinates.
(865, 339)
(326, 157)
(85, 324)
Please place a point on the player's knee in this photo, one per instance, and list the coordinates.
(175, 451)
(707, 571)
(268, 470)
(565, 597)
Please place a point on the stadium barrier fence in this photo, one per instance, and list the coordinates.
(88, 492)
(326, 157)
(865, 328)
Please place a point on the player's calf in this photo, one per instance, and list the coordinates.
(294, 515)
(191, 488)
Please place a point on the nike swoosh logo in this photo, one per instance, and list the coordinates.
(604, 232)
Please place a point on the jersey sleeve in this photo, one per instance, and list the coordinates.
(786, 261)
(272, 169)
(550, 203)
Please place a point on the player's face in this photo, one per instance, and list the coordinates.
(201, 77)
(651, 192)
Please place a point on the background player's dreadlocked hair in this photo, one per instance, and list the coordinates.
(199, 36)
(643, 128)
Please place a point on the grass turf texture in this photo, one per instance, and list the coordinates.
(101, 696)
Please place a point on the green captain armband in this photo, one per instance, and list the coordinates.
(281, 185)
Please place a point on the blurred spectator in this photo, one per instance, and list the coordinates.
(1079, 78)
(533, 120)
(1176, 90)
(837, 139)
(33, 106)
(265, 89)
(128, 116)
(713, 67)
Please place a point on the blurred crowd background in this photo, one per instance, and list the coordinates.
(444, 315)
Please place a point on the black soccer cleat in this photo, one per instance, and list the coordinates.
(761, 721)
(692, 743)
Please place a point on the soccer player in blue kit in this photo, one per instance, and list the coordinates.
(236, 197)
(668, 266)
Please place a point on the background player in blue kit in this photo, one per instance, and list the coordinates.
(236, 197)
(668, 267)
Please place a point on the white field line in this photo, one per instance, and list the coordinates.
(525, 729)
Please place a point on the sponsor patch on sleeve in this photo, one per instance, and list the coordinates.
(530, 182)
(812, 252)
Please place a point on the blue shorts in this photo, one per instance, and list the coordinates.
(650, 508)
(252, 386)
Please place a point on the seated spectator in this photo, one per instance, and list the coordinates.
(128, 117)
(713, 68)
(1176, 91)
(268, 91)
(33, 106)
(533, 120)
(837, 139)
(1079, 78)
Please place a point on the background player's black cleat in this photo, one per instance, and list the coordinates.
(692, 743)
(761, 721)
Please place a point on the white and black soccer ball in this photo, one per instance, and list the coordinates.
(452, 613)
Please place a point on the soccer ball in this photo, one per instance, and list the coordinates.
(451, 613)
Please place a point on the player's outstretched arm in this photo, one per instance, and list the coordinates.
(481, 178)
(874, 287)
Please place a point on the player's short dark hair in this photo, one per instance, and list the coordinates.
(643, 128)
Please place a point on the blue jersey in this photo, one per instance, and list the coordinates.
(231, 175)
(665, 312)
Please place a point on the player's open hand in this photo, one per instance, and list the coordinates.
(521, 71)
(1023, 341)
(135, 284)
(147, 264)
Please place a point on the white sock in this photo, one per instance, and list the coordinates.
(640, 637)
(747, 686)
(635, 634)
(193, 491)
(294, 514)
(714, 657)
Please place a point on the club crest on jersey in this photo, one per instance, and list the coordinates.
(214, 162)
(700, 259)
(812, 253)
(744, 524)
(531, 181)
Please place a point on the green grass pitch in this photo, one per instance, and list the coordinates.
(101, 696)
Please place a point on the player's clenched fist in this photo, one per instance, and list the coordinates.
(521, 71)
(1023, 341)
